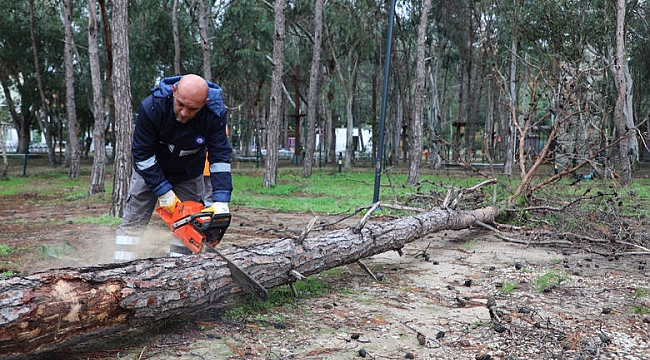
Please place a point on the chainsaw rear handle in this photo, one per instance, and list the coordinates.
(216, 220)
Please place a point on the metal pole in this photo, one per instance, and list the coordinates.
(25, 160)
(382, 116)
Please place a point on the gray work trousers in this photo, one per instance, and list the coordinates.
(140, 205)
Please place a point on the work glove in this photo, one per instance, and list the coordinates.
(217, 208)
(168, 201)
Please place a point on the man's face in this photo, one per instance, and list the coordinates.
(186, 103)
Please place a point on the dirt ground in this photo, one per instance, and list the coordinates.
(429, 303)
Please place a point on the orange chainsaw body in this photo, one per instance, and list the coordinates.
(194, 227)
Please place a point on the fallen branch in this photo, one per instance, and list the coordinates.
(47, 311)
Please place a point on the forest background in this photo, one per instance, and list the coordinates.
(513, 84)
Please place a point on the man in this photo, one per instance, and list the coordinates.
(182, 119)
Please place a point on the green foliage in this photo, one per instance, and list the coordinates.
(240, 37)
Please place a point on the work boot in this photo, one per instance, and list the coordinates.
(177, 248)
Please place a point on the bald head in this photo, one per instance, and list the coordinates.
(190, 94)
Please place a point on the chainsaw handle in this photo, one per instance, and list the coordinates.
(215, 220)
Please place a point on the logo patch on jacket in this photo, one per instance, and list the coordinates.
(199, 140)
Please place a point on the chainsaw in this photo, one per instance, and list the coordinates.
(201, 231)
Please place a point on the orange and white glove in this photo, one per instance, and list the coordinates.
(217, 208)
(168, 201)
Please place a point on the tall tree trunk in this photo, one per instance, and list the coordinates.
(47, 311)
(275, 103)
(330, 127)
(205, 42)
(622, 113)
(110, 103)
(511, 136)
(469, 93)
(398, 115)
(177, 39)
(415, 128)
(45, 118)
(123, 110)
(72, 147)
(349, 139)
(401, 108)
(99, 158)
(435, 116)
(312, 96)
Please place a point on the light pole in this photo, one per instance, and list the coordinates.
(382, 116)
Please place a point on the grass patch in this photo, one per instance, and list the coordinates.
(104, 219)
(327, 192)
(5, 250)
(640, 293)
(508, 287)
(56, 251)
(469, 245)
(341, 193)
(251, 308)
(550, 280)
(640, 310)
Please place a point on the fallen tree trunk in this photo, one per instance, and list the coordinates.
(52, 310)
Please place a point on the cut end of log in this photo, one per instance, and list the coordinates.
(58, 312)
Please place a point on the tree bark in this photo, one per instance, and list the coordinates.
(312, 96)
(513, 96)
(415, 128)
(48, 311)
(275, 114)
(110, 104)
(97, 177)
(177, 39)
(72, 147)
(123, 109)
(622, 110)
(205, 42)
(44, 122)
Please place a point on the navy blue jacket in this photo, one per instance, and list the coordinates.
(167, 152)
